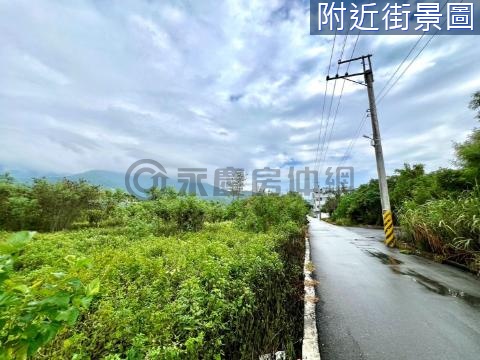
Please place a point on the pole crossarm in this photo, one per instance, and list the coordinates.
(363, 57)
(346, 77)
(366, 70)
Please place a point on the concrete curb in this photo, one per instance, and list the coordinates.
(310, 349)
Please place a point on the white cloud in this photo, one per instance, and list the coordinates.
(211, 84)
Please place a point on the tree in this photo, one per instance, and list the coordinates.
(411, 183)
(62, 203)
(451, 181)
(468, 152)
(17, 209)
(332, 201)
(6, 177)
(237, 183)
(468, 156)
(475, 103)
(361, 206)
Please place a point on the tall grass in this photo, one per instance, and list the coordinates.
(447, 227)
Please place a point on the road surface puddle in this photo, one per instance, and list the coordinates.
(384, 258)
(437, 287)
(426, 282)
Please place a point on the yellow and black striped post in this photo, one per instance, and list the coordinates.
(388, 228)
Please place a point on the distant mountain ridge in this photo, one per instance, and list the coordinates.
(104, 178)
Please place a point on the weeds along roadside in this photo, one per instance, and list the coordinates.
(174, 285)
(448, 228)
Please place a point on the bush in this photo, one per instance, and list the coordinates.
(216, 293)
(448, 227)
(264, 212)
(188, 213)
(18, 210)
(174, 285)
(32, 315)
(46, 206)
(361, 206)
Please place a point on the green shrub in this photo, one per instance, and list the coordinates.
(32, 313)
(449, 227)
(45, 206)
(188, 212)
(361, 206)
(167, 213)
(177, 281)
(215, 212)
(220, 292)
(264, 212)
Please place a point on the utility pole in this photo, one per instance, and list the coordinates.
(377, 142)
(316, 202)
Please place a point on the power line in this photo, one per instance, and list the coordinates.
(330, 108)
(354, 139)
(364, 118)
(340, 98)
(408, 66)
(382, 96)
(323, 151)
(383, 93)
(324, 98)
(401, 64)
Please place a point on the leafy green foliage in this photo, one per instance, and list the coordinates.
(475, 103)
(32, 315)
(263, 212)
(168, 213)
(177, 280)
(332, 202)
(468, 154)
(411, 184)
(45, 206)
(61, 203)
(449, 227)
(18, 210)
(360, 206)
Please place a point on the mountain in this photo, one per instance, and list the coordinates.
(106, 179)
(103, 178)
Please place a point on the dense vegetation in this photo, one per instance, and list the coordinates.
(438, 212)
(174, 277)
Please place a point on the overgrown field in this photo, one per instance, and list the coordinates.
(170, 278)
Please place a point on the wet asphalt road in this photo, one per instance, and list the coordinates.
(376, 303)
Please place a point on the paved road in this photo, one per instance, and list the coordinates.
(376, 303)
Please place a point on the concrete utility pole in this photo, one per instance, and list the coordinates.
(377, 143)
(317, 207)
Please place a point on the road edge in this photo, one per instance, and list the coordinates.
(310, 350)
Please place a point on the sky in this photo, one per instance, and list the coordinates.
(100, 84)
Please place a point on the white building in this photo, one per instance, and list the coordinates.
(319, 198)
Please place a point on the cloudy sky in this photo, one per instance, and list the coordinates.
(100, 84)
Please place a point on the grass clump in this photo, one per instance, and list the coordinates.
(447, 227)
